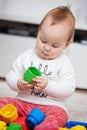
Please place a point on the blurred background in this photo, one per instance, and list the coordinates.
(19, 20)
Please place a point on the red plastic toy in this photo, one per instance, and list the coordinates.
(22, 122)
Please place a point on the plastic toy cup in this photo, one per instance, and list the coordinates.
(22, 122)
(78, 127)
(35, 117)
(70, 124)
(8, 113)
(31, 73)
(3, 125)
(14, 126)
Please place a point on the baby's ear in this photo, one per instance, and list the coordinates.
(68, 43)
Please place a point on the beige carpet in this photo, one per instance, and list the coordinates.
(76, 104)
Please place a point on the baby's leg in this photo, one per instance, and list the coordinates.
(23, 108)
(55, 117)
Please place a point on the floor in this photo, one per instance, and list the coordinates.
(76, 104)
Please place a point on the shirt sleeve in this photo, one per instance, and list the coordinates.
(65, 86)
(16, 73)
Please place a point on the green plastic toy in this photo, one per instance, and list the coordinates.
(31, 73)
(14, 126)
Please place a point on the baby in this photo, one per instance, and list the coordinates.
(57, 82)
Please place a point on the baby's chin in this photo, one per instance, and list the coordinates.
(47, 58)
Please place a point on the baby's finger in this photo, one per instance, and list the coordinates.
(37, 79)
(38, 88)
(24, 82)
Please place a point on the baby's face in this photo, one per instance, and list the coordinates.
(52, 39)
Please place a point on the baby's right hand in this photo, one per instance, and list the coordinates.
(23, 85)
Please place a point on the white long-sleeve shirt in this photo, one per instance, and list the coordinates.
(60, 74)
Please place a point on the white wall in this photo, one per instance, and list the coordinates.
(33, 11)
(11, 46)
(77, 54)
(80, 11)
(26, 8)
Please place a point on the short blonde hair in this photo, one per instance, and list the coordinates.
(60, 14)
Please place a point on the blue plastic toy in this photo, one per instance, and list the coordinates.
(35, 117)
(70, 124)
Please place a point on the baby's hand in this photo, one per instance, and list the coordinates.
(41, 82)
(23, 85)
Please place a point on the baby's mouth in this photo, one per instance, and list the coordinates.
(45, 54)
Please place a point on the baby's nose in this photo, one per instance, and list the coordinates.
(47, 47)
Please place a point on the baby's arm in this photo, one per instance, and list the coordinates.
(15, 77)
(65, 86)
(61, 88)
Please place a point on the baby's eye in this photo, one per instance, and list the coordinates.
(43, 41)
(55, 46)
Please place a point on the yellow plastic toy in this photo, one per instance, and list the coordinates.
(77, 127)
(3, 125)
(8, 113)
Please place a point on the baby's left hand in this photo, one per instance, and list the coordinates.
(41, 82)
